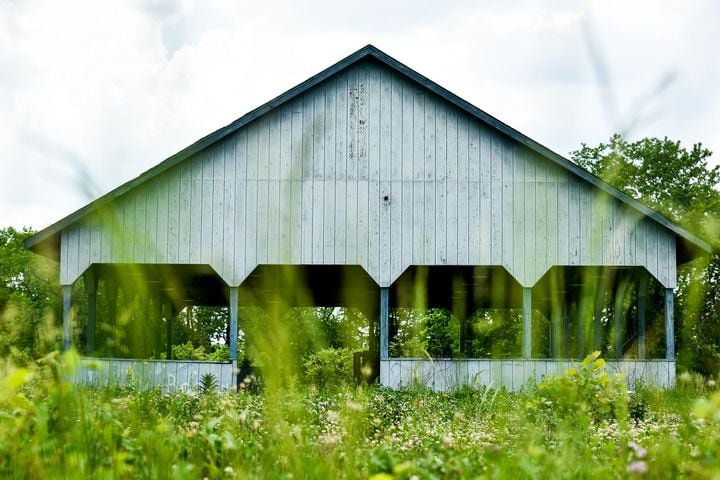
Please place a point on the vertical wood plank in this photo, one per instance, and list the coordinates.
(440, 160)
(485, 222)
(308, 138)
(318, 215)
(341, 127)
(363, 115)
(318, 129)
(240, 207)
(507, 217)
(353, 127)
(328, 222)
(407, 131)
(451, 198)
(429, 216)
(407, 223)
(396, 127)
(330, 149)
(285, 246)
(418, 135)
(395, 232)
(138, 229)
(306, 221)
(552, 235)
(340, 221)
(285, 142)
(229, 206)
(351, 225)
(195, 226)
(151, 222)
(363, 217)
(251, 220)
(384, 234)
(541, 213)
(563, 219)
(516, 218)
(463, 235)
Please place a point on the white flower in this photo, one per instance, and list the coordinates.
(638, 467)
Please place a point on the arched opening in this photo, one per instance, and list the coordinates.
(616, 310)
(456, 312)
(291, 315)
(152, 311)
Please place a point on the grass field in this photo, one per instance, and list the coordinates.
(583, 424)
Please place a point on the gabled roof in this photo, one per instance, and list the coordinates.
(51, 233)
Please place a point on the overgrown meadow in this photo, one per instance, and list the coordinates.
(582, 424)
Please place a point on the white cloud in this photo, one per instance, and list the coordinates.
(94, 93)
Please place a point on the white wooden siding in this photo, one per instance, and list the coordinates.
(169, 375)
(368, 168)
(511, 374)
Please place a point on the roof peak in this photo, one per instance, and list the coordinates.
(52, 232)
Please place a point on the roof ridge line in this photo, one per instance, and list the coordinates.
(366, 51)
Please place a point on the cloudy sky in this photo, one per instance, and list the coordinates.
(92, 93)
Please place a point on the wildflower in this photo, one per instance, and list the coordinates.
(639, 451)
(638, 467)
(711, 383)
(330, 440)
(229, 471)
(685, 377)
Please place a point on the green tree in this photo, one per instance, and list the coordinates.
(672, 180)
(29, 298)
(680, 184)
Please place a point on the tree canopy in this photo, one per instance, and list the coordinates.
(679, 183)
(672, 180)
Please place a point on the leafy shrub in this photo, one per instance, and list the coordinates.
(208, 384)
(329, 367)
(221, 353)
(187, 351)
(585, 392)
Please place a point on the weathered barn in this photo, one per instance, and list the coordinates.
(367, 181)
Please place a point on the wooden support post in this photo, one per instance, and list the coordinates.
(527, 322)
(91, 283)
(67, 319)
(669, 324)
(234, 305)
(111, 287)
(642, 308)
(384, 322)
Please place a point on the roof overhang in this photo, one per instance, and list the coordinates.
(47, 241)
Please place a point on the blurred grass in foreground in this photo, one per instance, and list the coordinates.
(582, 424)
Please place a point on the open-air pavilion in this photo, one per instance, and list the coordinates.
(369, 186)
